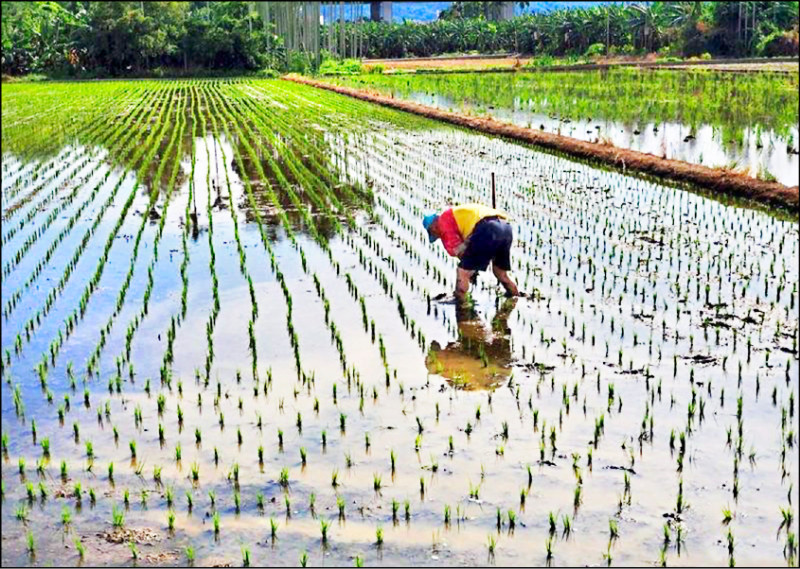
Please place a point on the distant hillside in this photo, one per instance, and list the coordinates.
(428, 11)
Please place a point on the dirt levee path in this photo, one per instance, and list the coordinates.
(717, 180)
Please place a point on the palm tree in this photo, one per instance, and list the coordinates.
(647, 21)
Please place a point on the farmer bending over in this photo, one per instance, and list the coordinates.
(476, 234)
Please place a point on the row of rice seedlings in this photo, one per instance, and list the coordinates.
(62, 117)
(41, 123)
(74, 179)
(335, 335)
(54, 184)
(137, 319)
(43, 371)
(14, 182)
(299, 170)
(122, 145)
(93, 362)
(91, 286)
(189, 215)
(212, 317)
(293, 338)
(242, 262)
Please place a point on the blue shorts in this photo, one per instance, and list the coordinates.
(491, 240)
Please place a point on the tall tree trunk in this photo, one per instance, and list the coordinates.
(341, 30)
(739, 23)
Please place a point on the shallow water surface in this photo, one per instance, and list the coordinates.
(646, 381)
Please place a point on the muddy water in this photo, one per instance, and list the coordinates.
(615, 324)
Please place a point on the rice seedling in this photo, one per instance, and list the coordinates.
(567, 524)
(80, 548)
(727, 516)
(117, 517)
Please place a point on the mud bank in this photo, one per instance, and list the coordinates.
(717, 180)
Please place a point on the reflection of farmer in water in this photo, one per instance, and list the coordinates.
(480, 358)
(476, 234)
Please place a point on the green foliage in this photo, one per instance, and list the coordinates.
(636, 27)
(30, 35)
(595, 50)
(344, 67)
(97, 39)
(135, 38)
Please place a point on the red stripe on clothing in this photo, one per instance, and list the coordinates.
(449, 232)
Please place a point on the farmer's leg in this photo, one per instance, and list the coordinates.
(462, 283)
(501, 263)
(505, 280)
(476, 257)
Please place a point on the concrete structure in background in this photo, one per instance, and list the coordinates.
(381, 11)
(506, 11)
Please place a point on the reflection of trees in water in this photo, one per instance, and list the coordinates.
(481, 357)
(351, 197)
(277, 168)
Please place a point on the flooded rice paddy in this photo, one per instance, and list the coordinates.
(227, 340)
(745, 122)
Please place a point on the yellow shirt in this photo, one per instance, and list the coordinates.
(468, 215)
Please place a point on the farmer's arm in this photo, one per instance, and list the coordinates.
(451, 237)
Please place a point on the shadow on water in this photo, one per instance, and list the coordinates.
(481, 357)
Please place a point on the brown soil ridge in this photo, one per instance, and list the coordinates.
(720, 181)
